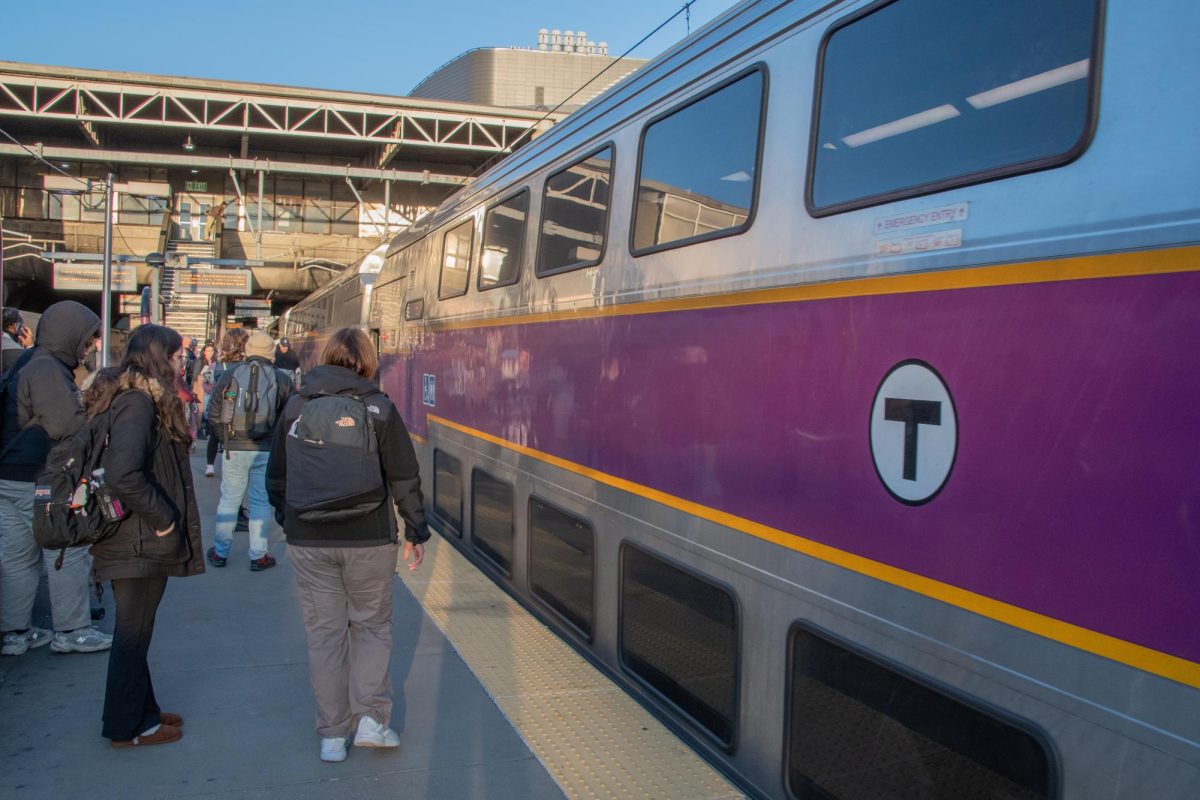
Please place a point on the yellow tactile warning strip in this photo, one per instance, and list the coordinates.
(592, 737)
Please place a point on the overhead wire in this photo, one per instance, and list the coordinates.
(686, 8)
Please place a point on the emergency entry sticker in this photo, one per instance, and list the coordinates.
(898, 223)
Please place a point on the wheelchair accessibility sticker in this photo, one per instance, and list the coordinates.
(429, 389)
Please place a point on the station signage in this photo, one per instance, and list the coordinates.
(76, 277)
(213, 281)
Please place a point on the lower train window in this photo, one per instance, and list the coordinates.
(492, 519)
(857, 729)
(679, 634)
(562, 563)
(447, 490)
(917, 96)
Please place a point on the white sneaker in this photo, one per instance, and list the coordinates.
(16, 644)
(371, 734)
(84, 640)
(209, 471)
(333, 749)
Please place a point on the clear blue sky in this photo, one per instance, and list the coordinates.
(354, 45)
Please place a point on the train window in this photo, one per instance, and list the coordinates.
(679, 634)
(492, 519)
(847, 710)
(447, 490)
(414, 309)
(698, 167)
(561, 563)
(456, 260)
(917, 96)
(503, 242)
(575, 214)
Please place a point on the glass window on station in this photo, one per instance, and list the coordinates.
(847, 711)
(679, 634)
(920, 95)
(447, 490)
(456, 260)
(503, 242)
(562, 563)
(698, 167)
(575, 214)
(492, 519)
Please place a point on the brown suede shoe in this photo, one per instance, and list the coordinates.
(164, 735)
(167, 718)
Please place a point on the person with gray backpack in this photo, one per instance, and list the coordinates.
(246, 404)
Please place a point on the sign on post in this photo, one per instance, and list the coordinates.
(76, 277)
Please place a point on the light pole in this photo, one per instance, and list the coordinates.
(106, 274)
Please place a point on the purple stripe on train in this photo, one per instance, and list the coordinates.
(1076, 488)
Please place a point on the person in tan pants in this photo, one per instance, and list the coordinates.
(341, 457)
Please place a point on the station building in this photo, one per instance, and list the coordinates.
(564, 68)
(289, 184)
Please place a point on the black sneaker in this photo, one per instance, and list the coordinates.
(259, 564)
(215, 559)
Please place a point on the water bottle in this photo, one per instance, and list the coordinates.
(110, 505)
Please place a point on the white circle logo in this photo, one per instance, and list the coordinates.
(914, 432)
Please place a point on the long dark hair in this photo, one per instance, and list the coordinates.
(147, 368)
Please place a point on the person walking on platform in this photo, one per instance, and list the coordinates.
(233, 351)
(13, 340)
(42, 407)
(149, 470)
(285, 356)
(247, 403)
(340, 454)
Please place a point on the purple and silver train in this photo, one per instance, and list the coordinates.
(831, 383)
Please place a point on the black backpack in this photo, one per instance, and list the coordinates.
(73, 505)
(333, 469)
(250, 402)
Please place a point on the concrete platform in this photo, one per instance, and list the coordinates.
(229, 654)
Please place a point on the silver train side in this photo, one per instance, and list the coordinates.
(675, 449)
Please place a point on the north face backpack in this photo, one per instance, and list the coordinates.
(73, 505)
(333, 469)
(250, 402)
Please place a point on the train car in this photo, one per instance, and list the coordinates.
(343, 302)
(829, 381)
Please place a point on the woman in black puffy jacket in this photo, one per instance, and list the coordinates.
(148, 469)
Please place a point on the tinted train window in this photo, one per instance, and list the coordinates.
(492, 519)
(561, 563)
(575, 214)
(456, 260)
(447, 490)
(503, 242)
(856, 729)
(698, 167)
(679, 634)
(920, 95)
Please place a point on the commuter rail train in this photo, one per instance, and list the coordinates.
(343, 302)
(831, 382)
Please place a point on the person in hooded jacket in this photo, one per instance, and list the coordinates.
(42, 407)
(345, 569)
(149, 470)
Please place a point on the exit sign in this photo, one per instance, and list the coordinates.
(196, 186)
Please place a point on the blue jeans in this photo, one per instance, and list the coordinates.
(243, 473)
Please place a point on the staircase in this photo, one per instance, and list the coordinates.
(189, 314)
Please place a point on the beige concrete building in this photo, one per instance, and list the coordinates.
(563, 64)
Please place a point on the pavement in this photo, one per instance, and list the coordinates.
(229, 654)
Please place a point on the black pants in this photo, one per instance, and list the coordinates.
(213, 441)
(129, 704)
